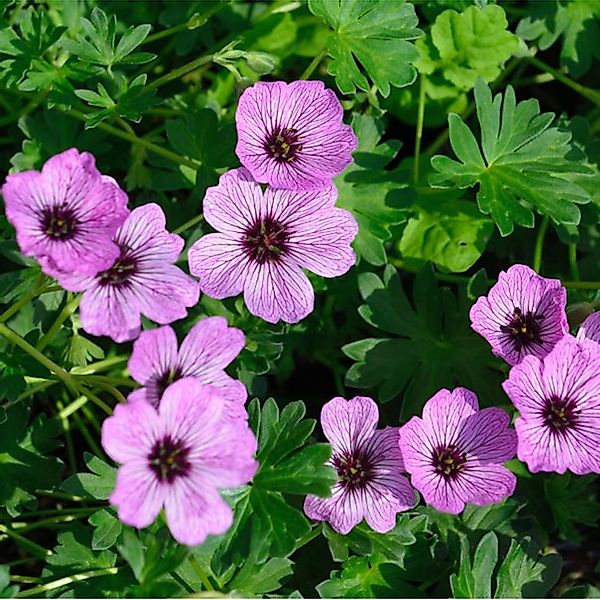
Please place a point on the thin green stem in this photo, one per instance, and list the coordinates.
(113, 391)
(42, 523)
(188, 224)
(201, 574)
(108, 380)
(90, 415)
(28, 545)
(61, 496)
(582, 285)
(58, 583)
(32, 391)
(539, 244)
(159, 35)
(573, 268)
(101, 365)
(69, 308)
(419, 131)
(54, 512)
(67, 431)
(68, 410)
(27, 109)
(16, 307)
(314, 63)
(24, 579)
(591, 95)
(79, 422)
(181, 71)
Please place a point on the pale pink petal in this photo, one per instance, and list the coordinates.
(486, 436)
(343, 510)
(154, 354)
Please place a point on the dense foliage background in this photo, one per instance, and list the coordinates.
(151, 89)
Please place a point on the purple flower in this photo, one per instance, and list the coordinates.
(455, 452)
(368, 463)
(559, 402)
(142, 281)
(590, 328)
(522, 314)
(291, 136)
(264, 241)
(207, 349)
(178, 457)
(66, 215)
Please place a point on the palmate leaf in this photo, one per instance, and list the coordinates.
(520, 163)
(432, 346)
(376, 34)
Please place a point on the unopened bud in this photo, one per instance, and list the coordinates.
(577, 313)
(260, 62)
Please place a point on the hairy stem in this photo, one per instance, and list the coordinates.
(314, 63)
(419, 131)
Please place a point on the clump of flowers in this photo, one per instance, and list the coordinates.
(559, 403)
(455, 452)
(291, 136)
(207, 349)
(142, 280)
(523, 314)
(264, 241)
(369, 466)
(66, 215)
(178, 457)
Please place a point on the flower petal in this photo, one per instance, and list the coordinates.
(154, 354)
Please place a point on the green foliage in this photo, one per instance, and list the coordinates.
(434, 339)
(26, 464)
(107, 529)
(464, 46)
(525, 162)
(6, 590)
(97, 485)
(369, 32)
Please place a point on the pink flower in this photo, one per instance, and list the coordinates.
(66, 216)
(178, 457)
(291, 136)
(206, 350)
(369, 467)
(590, 328)
(264, 242)
(559, 401)
(454, 454)
(142, 281)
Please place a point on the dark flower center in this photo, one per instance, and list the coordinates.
(169, 459)
(120, 273)
(448, 461)
(59, 223)
(560, 414)
(523, 328)
(266, 240)
(283, 144)
(165, 380)
(354, 469)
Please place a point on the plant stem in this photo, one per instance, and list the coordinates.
(30, 546)
(573, 268)
(99, 379)
(69, 308)
(419, 131)
(314, 63)
(539, 244)
(201, 574)
(582, 285)
(16, 307)
(87, 436)
(101, 365)
(68, 410)
(591, 95)
(67, 431)
(181, 71)
(188, 224)
(113, 391)
(57, 583)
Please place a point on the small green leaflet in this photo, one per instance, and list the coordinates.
(525, 162)
(98, 485)
(375, 33)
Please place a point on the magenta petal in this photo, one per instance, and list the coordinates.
(154, 353)
(590, 328)
(343, 511)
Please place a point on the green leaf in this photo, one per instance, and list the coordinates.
(525, 572)
(81, 351)
(98, 485)
(475, 581)
(6, 590)
(375, 34)
(437, 345)
(467, 45)
(26, 464)
(253, 580)
(107, 529)
(523, 162)
(450, 233)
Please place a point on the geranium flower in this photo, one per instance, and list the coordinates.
(590, 328)
(369, 467)
(522, 314)
(66, 215)
(178, 457)
(291, 136)
(559, 402)
(206, 350)
(264, 241)
(142, 281)
(454, 454)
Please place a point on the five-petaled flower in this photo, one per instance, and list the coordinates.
(206, 350)
(559, 402)
(522, 314)
(264, 241)
(142, 281)
(454, 454)
(291, 136)
(66, 215)
(178, 457)
(369, 466)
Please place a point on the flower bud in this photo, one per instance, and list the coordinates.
(260, 62)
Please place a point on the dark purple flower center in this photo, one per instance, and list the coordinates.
(560, 414)
(523, 329)
(282, 144)
(354, 469)
(59, 223)
(166, 379)
(266, 240)
(448, 461)
(120, 273)
(169, 459)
